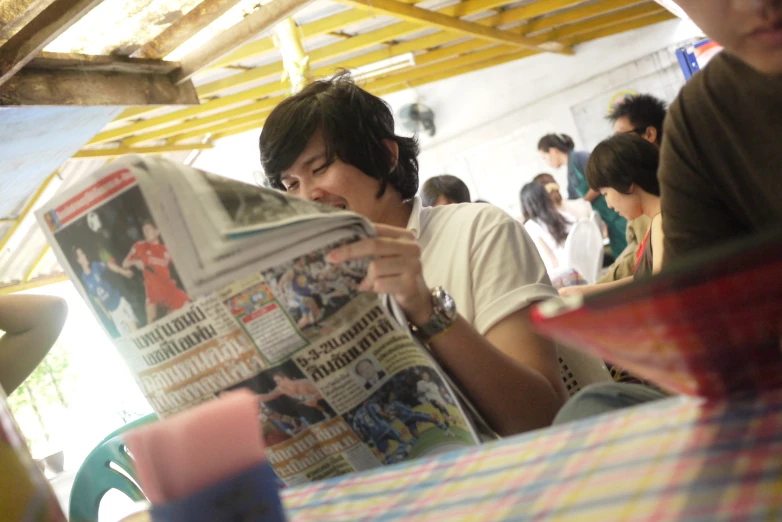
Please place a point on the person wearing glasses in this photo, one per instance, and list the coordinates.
(641, 114)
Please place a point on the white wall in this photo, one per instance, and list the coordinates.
(488, 122)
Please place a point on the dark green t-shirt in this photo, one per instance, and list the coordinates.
(721, 159)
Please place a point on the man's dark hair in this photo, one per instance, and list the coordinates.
(536, 205)
(561, 142)
(444, 185)
(622, 160)
(642, 111)
(354, 125)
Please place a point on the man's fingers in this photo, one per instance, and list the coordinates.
(395, 232)
(374, 247)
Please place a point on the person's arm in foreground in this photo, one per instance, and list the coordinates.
(31, 324)
(510, 374)
(596, 288)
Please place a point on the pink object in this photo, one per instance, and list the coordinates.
(196, 448)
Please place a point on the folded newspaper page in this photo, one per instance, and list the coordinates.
(207, 284)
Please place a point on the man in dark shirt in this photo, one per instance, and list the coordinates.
(721, 163)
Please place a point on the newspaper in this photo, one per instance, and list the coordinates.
(207, 284)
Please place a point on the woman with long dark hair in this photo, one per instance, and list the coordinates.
(558, 150)
(547, 226)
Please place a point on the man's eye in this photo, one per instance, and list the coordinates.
(321, 169)
(291, 186)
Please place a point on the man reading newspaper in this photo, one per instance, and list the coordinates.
(334, 143)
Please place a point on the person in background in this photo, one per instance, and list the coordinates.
(578, 208)
(31, 325)
(547, 226)
(557, 150)
(477, 253)
(642, 114)
(624, 169)
(721, 158)
(444, 190)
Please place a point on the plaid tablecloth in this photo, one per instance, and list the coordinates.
(678, 459)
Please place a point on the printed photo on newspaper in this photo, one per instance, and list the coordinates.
(342, 385)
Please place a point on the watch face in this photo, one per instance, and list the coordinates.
(445, 303)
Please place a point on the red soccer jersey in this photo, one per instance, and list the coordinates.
(155, 257)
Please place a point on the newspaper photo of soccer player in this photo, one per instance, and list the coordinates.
(289, 402)
(312, 289)
(122, 263)
(397, 425)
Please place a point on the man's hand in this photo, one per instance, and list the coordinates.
(395, 268)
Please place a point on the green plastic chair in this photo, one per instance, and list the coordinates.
(95, 477)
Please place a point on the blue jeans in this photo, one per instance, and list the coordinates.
(605, 397)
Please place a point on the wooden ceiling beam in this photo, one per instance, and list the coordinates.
(89, 88)
(94, 63)
(30, 40)
(184, 28)
(448, 23)
(15, 14)
(263, 18)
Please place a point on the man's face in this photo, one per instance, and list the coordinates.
(149, 231)
(552, 158)
(442, 200)
(366, 370)
(627, 205)
(81, 258)
(339, 184)
(623, 125)
(749, 29)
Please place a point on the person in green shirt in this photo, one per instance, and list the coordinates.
(558, 150)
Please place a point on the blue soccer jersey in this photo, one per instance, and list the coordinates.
(99, 288)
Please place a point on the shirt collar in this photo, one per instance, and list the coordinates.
(414, 223)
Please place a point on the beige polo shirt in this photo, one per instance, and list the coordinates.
(482, 257)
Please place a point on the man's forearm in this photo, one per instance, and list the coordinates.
(511, 396)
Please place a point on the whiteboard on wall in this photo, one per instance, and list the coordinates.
(590, 115)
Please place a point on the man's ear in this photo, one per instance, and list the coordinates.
(650, 134)
(393, 148)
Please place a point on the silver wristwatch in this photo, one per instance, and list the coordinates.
(443, 316)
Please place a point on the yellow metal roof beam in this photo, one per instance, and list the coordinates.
(580, 13)
(35, 283)
(178, 116)
(246, 120)
(121, 151)
(26, 209)
(661, 16)
(318, 27)
(239, 130)
(581, 38)
(622, 17)
(447, 23)
(539, 8)
(328, 51)
(173, 130)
